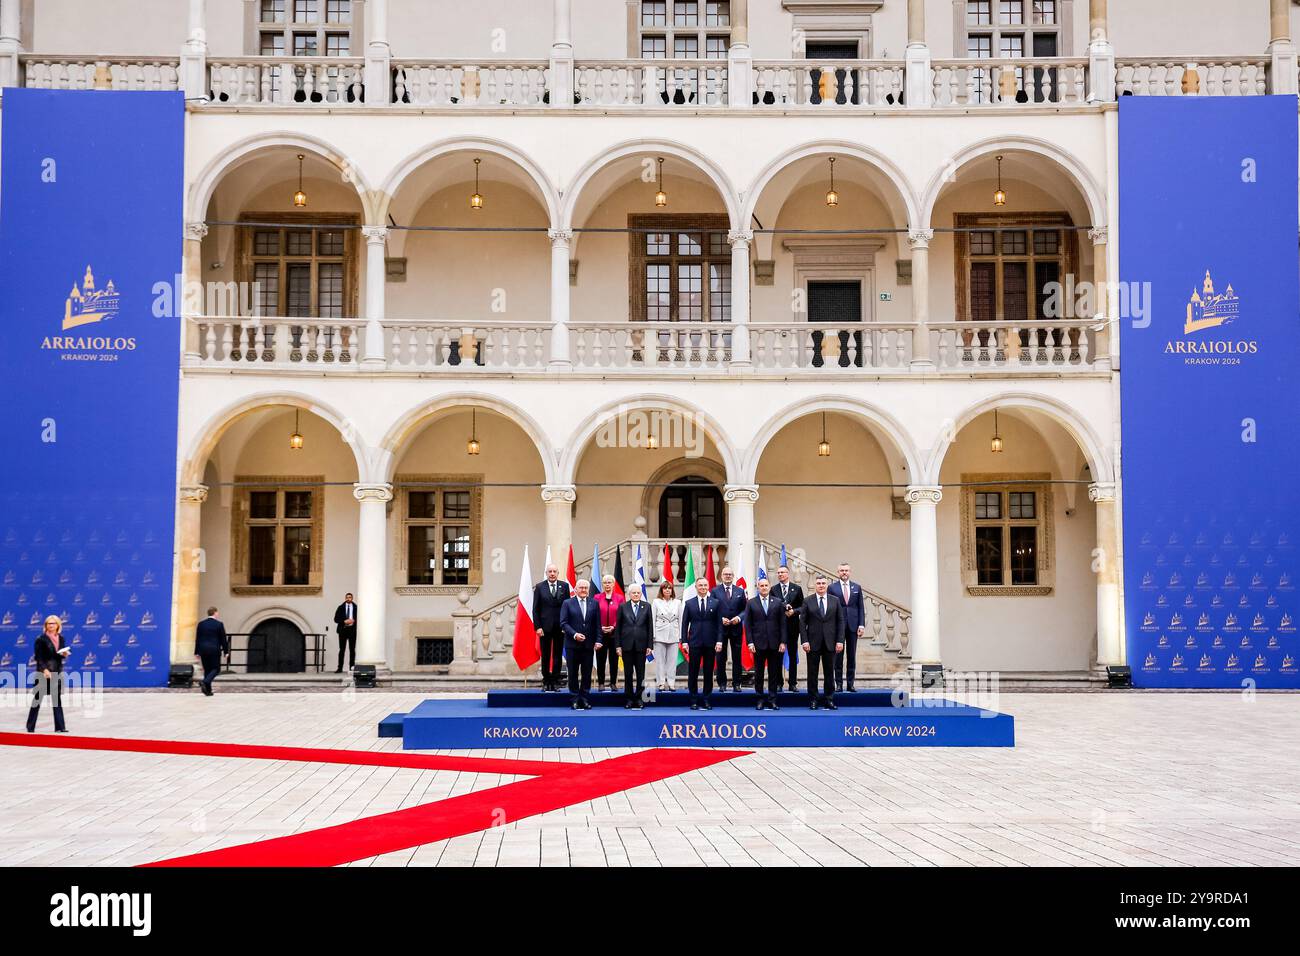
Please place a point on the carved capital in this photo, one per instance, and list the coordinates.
(740, 235)
(372, 492)
(194, 493)
(920, 238)
(565, 493)
(931, 494)
(375, 233)
(1101, 491)
(1098, 235)
(195, 231)
(560, 237)
(742, 493)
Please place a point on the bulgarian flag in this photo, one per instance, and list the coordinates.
(688, 584)
(526, 651)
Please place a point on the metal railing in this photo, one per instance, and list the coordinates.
(313, 653)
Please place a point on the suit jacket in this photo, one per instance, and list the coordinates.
(47, 658)
(341, 615)
(572, 622)
(635, 633)
(765, 629)
(733, 606)
(546, 609)
(792, 595)
(701, 628)
(852, 603)
(822, 633)
(210, 636)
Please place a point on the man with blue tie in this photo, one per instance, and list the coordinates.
(702, 639)
(731, 600)
(765, 630)
(849, 594)
(580, 622)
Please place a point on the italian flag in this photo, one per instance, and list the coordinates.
(688, 588)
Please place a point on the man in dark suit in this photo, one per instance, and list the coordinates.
(849, 594)
(791, 595)
(210, 642)
(731, 600)
(345, 619)
(580, 622)
(823, 638)
(548, 600)
(702, 636)
(49, 652)
(765, 631)
(635, 637)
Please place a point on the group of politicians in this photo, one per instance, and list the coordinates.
(577, 628)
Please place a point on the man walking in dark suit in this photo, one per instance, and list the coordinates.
(634, 634)
(823, 638)
(345, 618)
(791, 595)
(702, 637)
(765, 631)
(548, 600)
(731, 600)
(580, 622)
(849, 594)
(210, 642)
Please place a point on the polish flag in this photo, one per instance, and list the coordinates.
(746, 655)
(526, 650)
(668, 565)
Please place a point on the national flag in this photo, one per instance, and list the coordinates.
(746, 656)
(783, 562)
(786, 655)
(688, 592)
(548, 560)
(708, 569)
(638, 570)
(619, 587)
(668, 565)
(762, 566)
(526, 649)
(594, 580)
(571, 574)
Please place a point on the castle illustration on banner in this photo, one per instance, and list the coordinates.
(88, 304)
(1208, 309)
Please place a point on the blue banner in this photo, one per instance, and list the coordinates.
(91, 191)
(1209, 385)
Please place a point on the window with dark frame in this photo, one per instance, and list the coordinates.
(1006, 265)
(306, 27)
(684, 30)
(282, 536)
(440, 546)
(1006, 535)
(1014, 29)
(683, 273)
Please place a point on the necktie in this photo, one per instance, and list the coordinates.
(701, 604)
(553, 586)
(584, 609)
(823, 602)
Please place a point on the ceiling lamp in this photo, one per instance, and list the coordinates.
(300, 197)
(476, 200)
(832, 197)
(472, 447)
(661, 197)
(295, 440)
(1000, 197)
(995, 445)
(823, 447)
(651, 442)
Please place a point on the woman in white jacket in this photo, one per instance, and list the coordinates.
(667, 608)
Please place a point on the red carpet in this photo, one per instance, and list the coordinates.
(553, 785)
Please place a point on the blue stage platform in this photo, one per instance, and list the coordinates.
(882, 697)
(498, 723)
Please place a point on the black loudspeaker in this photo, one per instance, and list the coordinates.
(1119, 675)
(363, 675)
(931, 676)
(181, 675)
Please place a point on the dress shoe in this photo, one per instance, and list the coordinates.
(707, 706)
(627, 705)
(839, 687)
(793, 689)
(576, 705)
(831, 705)
(851, 690)
(812, 705)
(640, 705)
(339, 671)
(773, 705)
(586, 705)
(694, 706)
(761, 705)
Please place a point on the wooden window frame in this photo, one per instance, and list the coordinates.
(963, 30)
(464, 483)
(241, 522)
(1039, 483)
(1003, 222)
(670, 32)
(247, 260)
(354, 27)
(640, 225)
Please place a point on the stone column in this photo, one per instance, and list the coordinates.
(191, 292)
(559, 501)
(740, 282)
(378, 75)
(740, 501)
(740, 62)
(190, 564)
(372, 572)
(560, 242)
(1281, 50)
(194, 54)
(373, 352)
(919, 240)
(1106, 325)
(924, 632)
(1105, 564)
(918, 90)
(1101, 55)
(10, 42)
(561, 86)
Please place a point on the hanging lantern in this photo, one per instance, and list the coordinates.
(295, 440)
(661, 197)
(823, 447)
(1000, 196)
(476, 200)
(300, 197)
(472, 447)
(995, 445)
(832, 197)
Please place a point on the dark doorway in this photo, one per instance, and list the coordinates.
(837, 303)
(276, 646)
(691, 507)
(845, 86)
